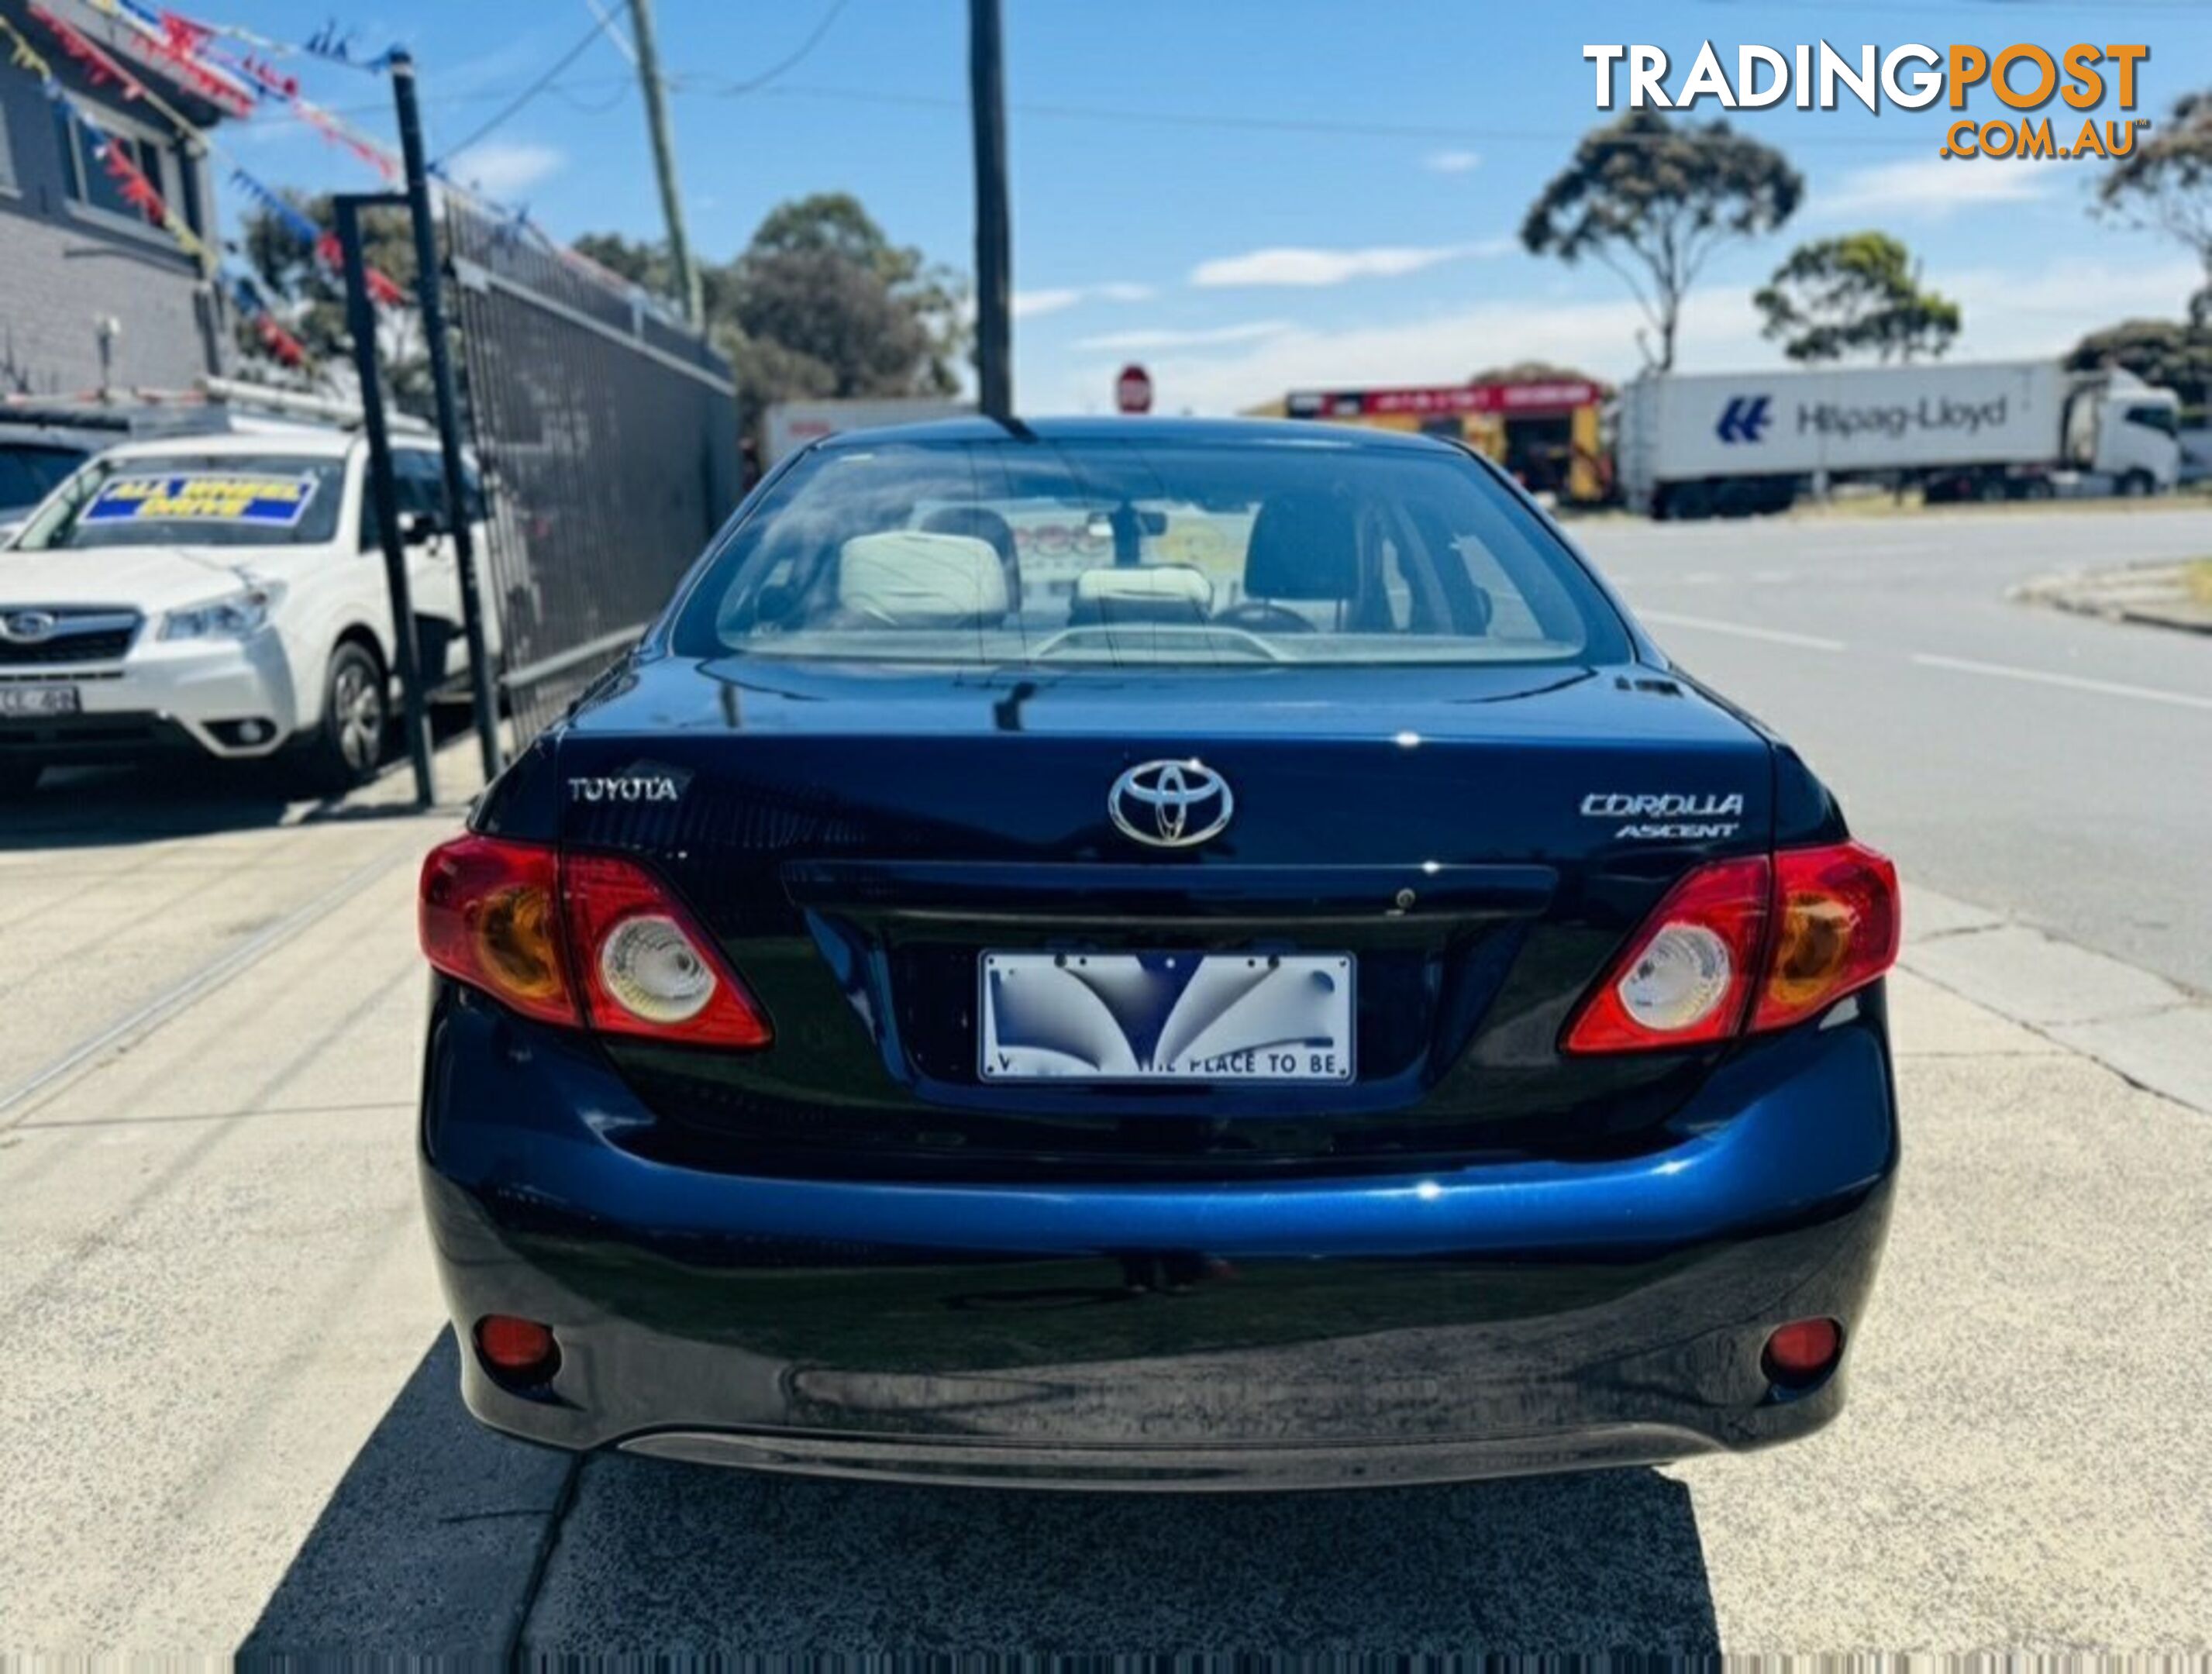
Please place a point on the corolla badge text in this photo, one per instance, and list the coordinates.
(1667, 816)
(1170, 804)
(629, 787)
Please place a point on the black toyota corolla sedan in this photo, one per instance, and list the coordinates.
(1170, 955)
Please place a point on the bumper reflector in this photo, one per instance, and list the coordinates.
(1802, 1352)
(517, 1351)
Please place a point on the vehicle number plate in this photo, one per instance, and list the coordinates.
(1203, 1018)
(38, 701)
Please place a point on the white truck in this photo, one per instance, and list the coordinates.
(1735, 444)
(792, 424)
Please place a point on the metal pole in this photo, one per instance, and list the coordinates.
(429, 288)
(994, 372)
(664, 162)
(360, 325)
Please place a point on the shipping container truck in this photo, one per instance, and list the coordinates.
(1733, 444)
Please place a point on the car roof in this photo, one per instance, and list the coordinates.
(50, 435)
(300, 443)
(1158, 432)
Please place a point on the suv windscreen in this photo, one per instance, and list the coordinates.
(1068, 552)
(226, 500)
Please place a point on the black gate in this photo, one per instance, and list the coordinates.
(608, 439)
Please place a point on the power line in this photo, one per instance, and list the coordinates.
(754, 83)
(600, 27)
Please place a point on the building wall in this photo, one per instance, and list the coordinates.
(64, 267)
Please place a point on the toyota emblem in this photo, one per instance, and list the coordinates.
(1170, 804)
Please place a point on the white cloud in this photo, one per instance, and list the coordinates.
(1289, 265)
(1123, 342)
(1452, 162)
(501, 168)
(1027, 305)
(2008, 315)
(1934, 188)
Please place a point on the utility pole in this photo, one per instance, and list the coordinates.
(987, 89)
(664, 161)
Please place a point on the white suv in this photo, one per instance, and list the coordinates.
(224, 595)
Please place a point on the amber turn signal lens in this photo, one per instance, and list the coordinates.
(1812, 948)
(515, 929)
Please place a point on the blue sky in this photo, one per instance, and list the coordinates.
(1161, 215)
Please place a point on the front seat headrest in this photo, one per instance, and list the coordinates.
(1305, 545)
(909, 578)
(984, 524)
(1153, 592)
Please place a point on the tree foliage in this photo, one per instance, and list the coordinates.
(821, 303)
(1859, 294)
(311, 300)
(1652, 200)
(2158, 351)
(1534, 371)
(2165, 183)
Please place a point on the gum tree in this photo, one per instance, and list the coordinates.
(2166, 184)
(1653, 199)
(1859, 294)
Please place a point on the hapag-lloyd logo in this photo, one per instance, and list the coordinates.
(1835, 418)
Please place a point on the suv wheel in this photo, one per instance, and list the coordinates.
(347, 749)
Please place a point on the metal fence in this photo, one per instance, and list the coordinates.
(608, 438)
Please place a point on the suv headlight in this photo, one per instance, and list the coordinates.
(233, 617)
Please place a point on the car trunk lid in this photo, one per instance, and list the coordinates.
(1475, 842)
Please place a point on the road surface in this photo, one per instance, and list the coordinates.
(2056, 767)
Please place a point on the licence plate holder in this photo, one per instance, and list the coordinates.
(37, 702)
(1166, 1018)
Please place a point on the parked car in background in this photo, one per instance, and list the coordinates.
(220, 596)
(33, 459)
(1293, 989)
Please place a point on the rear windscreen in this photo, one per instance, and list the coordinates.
(1054, 553)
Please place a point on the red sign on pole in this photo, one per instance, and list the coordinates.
(1132, 390)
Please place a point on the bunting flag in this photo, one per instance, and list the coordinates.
(219, 88)
(22, 54)
(115, 161)
(280, 344)
(385, 291)
(102, 67)
(130, 181)
(237, 81)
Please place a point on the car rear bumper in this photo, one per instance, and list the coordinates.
(1507, 1318)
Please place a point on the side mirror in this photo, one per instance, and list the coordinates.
(419, 528)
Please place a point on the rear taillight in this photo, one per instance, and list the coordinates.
(1748, 944)
(1687, 977)
(1836, 927)
(490, 916)
(589, 938)
(646, 966)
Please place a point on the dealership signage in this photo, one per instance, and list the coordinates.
(1558, 396)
